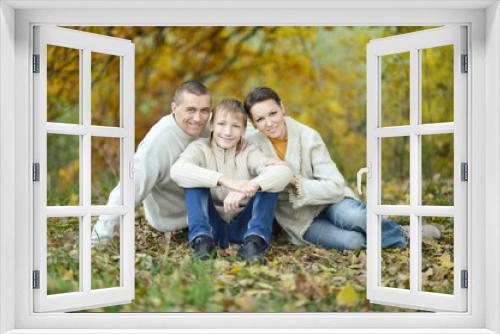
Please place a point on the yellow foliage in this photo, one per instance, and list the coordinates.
(347, 296)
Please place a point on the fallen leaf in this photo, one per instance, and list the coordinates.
(347, 296)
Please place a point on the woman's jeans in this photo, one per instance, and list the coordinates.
(342, 226)
(255, 219)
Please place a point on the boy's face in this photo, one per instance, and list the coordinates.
(227, 128)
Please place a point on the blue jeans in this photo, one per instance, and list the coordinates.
(255, 219)
(342, 226)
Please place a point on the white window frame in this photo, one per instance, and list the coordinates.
(413, 44)
(86, 44)
(16, 19)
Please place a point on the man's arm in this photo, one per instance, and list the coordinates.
(149, 165)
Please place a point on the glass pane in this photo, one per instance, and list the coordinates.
(437, 84)
(63, 235)
(106, 261)
(105, 167)
(63, 84)
(437, 169)
(63, 170)
(395, 266)
(395, 89)
(105, 89)
(437, 257)
(395, 170)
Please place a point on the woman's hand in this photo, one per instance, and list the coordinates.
(232, 201)
(242, 145)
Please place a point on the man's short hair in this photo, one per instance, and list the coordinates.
(231, 106)
(260, 94)
(193, 87)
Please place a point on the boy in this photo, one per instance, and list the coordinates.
(231, 196)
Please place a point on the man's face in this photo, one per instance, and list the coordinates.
(192, 113)
(268, 118)
(227, 128)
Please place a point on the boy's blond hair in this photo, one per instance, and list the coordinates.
(232, 106)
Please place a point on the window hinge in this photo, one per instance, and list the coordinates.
(36, 172)
(465, 279)
(465, 64)
(131, 170)
(464, 168)
(36, 63)
(36, 279)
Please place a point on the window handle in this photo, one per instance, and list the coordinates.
(364, 170)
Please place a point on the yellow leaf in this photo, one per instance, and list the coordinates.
(446, 261)
(68, 275)
(347, 296)
(233, 270)
(288, 281)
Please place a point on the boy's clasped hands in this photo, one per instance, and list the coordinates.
(239, 190)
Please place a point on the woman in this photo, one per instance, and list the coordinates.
(317, 208)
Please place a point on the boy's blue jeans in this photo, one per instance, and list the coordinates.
(255, 219)
(342, 226)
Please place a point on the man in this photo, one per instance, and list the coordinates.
(163, 200)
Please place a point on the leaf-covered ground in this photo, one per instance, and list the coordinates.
(296, 279)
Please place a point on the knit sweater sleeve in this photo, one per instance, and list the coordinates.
(190, 171)
(151, 162)
(272, 178)
(326, 184)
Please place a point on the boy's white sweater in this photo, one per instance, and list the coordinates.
(163, 199)
(203, 163)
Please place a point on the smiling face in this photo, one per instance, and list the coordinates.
(268, 117)
(192, 113)
(227, 128)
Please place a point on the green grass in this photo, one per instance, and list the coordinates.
(296, 279)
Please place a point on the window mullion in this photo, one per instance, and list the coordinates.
(415, 249)
(85, 165)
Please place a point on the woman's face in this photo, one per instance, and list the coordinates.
(268, 117)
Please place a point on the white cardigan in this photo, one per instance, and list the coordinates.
(319, 182)
(203, 163)
(163, 200)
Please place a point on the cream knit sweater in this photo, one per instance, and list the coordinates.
(319, 182)
(203, 163)
(163, 199)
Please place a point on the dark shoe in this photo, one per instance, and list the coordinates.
(203, 247)
(253, 250)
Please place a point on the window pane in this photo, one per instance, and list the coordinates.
(106, 261)
(63, 84)
(437, 84)
(105, 89)
(437, 169)
(395, 267)
(63, 255)
(395, 87)
(395, 170)
(437, 257)
(63, 170)
(105, 168)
